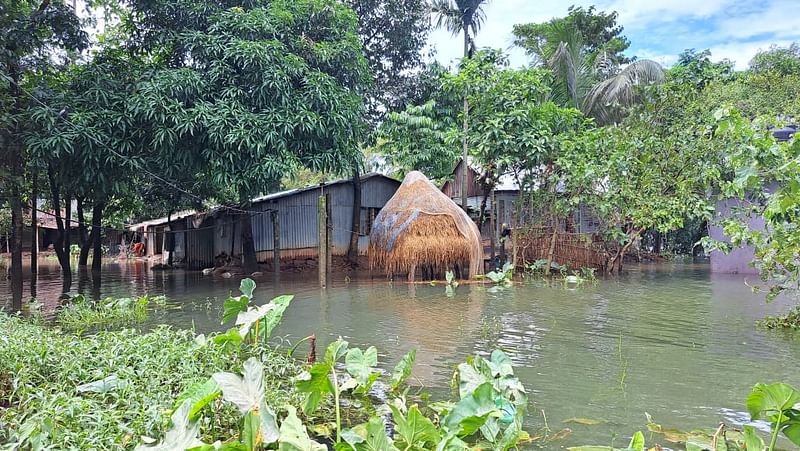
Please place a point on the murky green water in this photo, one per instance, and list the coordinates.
(672, 340)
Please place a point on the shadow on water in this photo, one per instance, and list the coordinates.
(672, 340)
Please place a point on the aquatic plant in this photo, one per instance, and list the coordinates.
(254, 322)
(104, 390)
(789, 320)
(776, 403)
(80, 314)
(452, 283)
(502, 277)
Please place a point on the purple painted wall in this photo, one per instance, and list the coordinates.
(738, 260)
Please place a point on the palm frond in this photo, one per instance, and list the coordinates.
(571, 67)
(606, 100)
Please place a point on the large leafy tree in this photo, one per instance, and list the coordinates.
(463, 17)
(33, 36)
(599, 31)
(252, 91)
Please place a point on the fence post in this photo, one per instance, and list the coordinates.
(276, 243)
(323, 241)
(328, 235)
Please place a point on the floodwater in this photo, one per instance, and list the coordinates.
(672, 340)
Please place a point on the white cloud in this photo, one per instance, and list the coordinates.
(779, 18)
(742, 52)
(640, 14)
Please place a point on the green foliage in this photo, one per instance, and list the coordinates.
(80, 314)
(789, 320)
(766, 179)
(503, 277)
(602, 35)
(776, 403)
(46, 367)
(779, 60)
(256, 322)
(403, 368)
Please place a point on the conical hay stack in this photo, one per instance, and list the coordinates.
(420, 226)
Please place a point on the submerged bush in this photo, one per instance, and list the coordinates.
(80, 313)
(789, 320)
(106, 390)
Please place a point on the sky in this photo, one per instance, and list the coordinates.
(658, 29)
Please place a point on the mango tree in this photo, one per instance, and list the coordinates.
(251, 91)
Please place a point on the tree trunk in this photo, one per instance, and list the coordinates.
(656, 242)
(352, 250)
(552, 249)
(97, 236)
(58, 244)
(169, 238)
(616, 262)
(81, 222)
(465, 165)
(249, 261)
(34, 222)
(16, 171)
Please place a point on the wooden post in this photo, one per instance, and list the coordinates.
(276, 243)
(329, 233)
(322, 213)
(34, 224)
(514, 233)
(493, 228)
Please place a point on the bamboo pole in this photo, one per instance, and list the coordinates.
(276, 243)
(323, 242)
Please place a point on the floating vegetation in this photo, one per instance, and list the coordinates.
(789, 320)
(81, 314)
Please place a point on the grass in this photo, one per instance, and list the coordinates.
(41, 368)
(789, 320)
(81, 314)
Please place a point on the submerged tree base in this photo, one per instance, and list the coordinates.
(789, 320)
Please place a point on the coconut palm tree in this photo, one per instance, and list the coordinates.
(593, 84)
(457, 17)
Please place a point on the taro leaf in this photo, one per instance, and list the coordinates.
(233, 306)
(316, 386)
(199, 395)
(254, 314)
(335, 351)
(451, 443)
(274, 316)
(182, 435)
(510, 437)
(500, 364)
(469, 379)
(792, 432)
(637, 442)
(376, 439)
(230, 340)
(245, 392)
(469, 414)
(360, 365)
(413, 429)
(260, 428)
(352, 438)
(104, 385)
(293, 435)
(402, 370)
(752, 441)
(219, 446)
(770, 400)
(247, 286)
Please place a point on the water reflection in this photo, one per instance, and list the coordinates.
(671, 340)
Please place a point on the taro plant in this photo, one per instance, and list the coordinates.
(452, 283)
(778, 404)
(253, 322)
(502, 277)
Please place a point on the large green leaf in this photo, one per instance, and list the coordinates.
(231, 340)
(414, 430)
(403, 368)
(198, 395)
(637, 442)
(752, 441)
(182, 435)
(293, 435)
(376, 439)
(469, 414)
(104, 385)
(246, 391)
(770, 400)
(316, 385)
(335, 351)
(274, 316)
(361, 365)
(245, 320)
(792, 431)
(232, 306)
(247, 286)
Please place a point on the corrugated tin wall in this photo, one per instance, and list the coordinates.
(199, 245)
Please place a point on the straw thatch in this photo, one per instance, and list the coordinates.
(420, 227)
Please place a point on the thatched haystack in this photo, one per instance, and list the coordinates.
(420, 227)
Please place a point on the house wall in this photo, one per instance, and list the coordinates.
(738, 260)
(452, 188)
